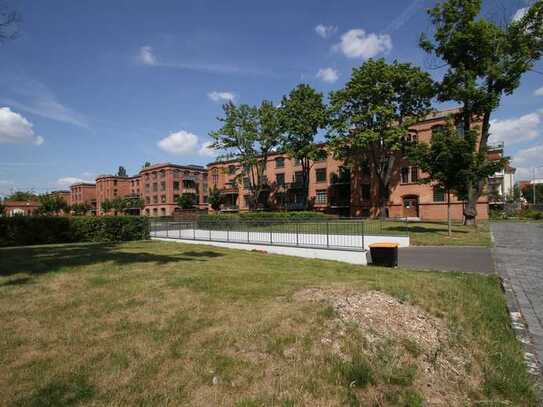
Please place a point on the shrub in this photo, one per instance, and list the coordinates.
(266, 217)
(531, 214)
(30, 230)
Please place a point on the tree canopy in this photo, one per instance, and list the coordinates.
(484, 61)
(370, 117)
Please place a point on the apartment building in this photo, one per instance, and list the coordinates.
(84, 192)
(110, 187)
(20, 208)
(161, 184)
(335, 189)
(63, 194)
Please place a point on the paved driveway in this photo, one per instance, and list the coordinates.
(519, 259)
(466, 259)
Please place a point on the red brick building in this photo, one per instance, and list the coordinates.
(20, 208)
(110, 187)
(334, 189)
(84, 192)
(161, 184)
(64, 194)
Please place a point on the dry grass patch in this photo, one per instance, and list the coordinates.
(149, 323)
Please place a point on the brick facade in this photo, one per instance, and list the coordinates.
(334, 189)
(84, 193)
(162, 184)
(110, 187)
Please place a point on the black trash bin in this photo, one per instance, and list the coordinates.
(384, 254)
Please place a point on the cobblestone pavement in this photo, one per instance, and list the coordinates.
(519, 260)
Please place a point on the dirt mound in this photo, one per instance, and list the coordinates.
(445, 371)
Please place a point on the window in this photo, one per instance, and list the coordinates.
(175, 196)
(114, 192)
(280, 179)
(162, 211)
(163, 198)
(205, 199)
(460, 128)
(162, 174)
(155, 198)
(366, 192)
(204, 188)
(412, 138)
(246, 183)
(163, 186)
(439, 193)
(297, 162)
(147, 188)
(321, 197)
(153, 175)
(404, 174)
(115, 182)
(231, 169)
(409, 175)
(299, 177)
(320, 174)
(414, 174)
(176, 185)
(215, 177)
(279, 162)
(155, 187)
(147, 200)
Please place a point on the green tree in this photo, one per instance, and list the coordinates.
(106, 206)
(80, 208)
(51, 204)
(485, 61)
(22, 196)
(248, 135)
(186, 201)
(121, 172)
(2, 209)
(370, 117)
(214, 199)
(302, 115)
(119, 205)
(146, 164)
(444, 161)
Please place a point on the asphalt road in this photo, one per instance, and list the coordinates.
(447, 258)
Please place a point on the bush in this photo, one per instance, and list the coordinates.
(30, 230)
(266, 217)
(531, 214)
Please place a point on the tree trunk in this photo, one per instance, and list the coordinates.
(449, 213)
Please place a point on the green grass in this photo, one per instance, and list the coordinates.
(154, 323)
(421, 233)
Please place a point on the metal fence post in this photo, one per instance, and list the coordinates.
(167, 229)
(271, 233)
(193, 230)
(227, 232)
(209, 233)
(297, 233)
(363, 233)
(327, 234)
(248, 238)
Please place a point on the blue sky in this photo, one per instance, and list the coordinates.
(89, 86)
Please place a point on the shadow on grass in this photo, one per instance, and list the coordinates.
(46, 259)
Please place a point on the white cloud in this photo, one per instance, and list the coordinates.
(206, 150)
(222, 96)
(66, 182)
(146, 56)
(181, 142)
(325, 31)
(34, 97)
(521, 12)
(329, 75)
(15, 129)
(516, 130)
(539, 92)
(527, 159)
(357, 44)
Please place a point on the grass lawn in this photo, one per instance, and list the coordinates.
(155, 323)
(421, 233)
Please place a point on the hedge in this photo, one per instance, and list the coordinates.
(265, 216)
(31, 230)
